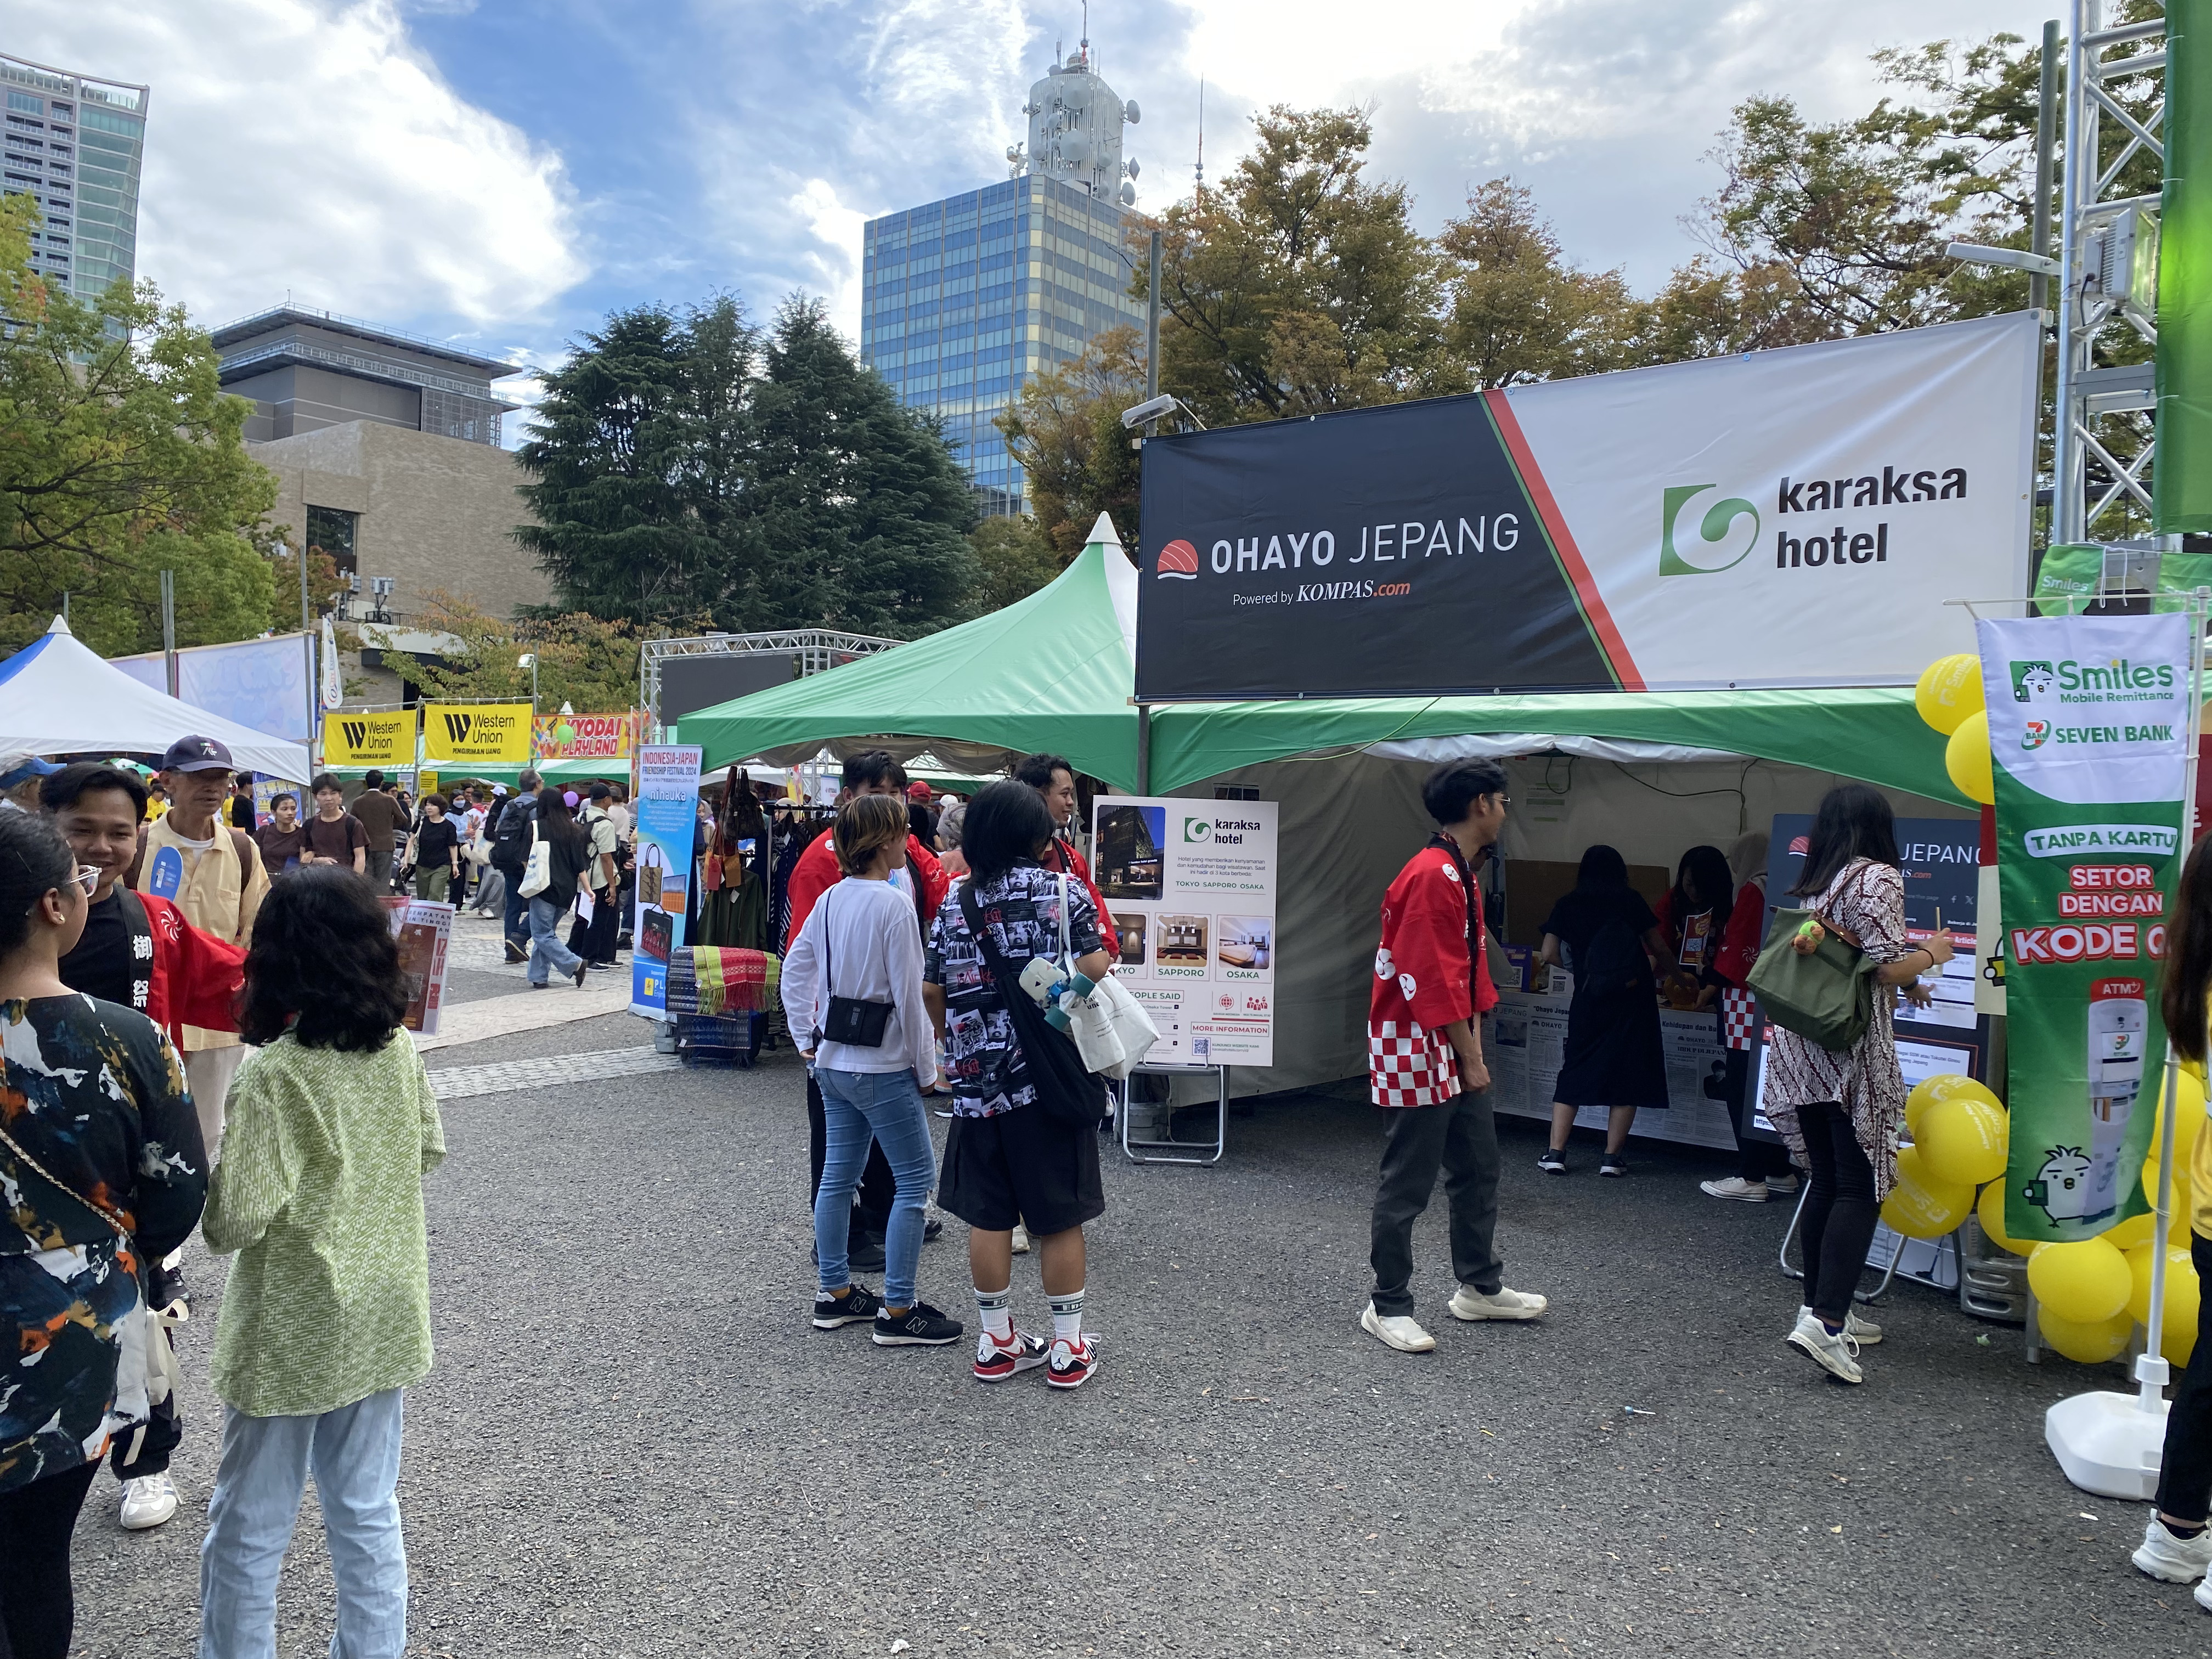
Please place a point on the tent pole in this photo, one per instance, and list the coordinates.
(1144, 749)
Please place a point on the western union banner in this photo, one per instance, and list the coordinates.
(355, 737)
(2089, 729)
(487, 734)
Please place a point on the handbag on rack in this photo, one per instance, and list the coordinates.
(1064, 1086)
(537, 869)
(1112, 1031)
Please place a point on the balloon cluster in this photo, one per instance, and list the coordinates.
(1949, 698)
(2091, 1293)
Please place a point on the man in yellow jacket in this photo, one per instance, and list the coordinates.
(213, 874)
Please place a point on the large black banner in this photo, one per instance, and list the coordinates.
(1380, 551)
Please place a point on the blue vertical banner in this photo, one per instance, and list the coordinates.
(667, 820)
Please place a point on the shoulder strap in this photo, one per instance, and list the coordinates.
(972, 911)
(63, 1189)
(242, 845)
(1064, 959)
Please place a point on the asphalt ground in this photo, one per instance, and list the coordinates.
(634, 1445)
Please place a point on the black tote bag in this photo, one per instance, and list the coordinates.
(1064, 1086)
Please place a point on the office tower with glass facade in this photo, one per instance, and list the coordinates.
(75, 145)
(963, 300)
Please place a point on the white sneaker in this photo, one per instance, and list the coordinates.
(1864, 1332)
(151, 1499)
(1782, 1186)
(1468, 1303)
(1021, 1239)
(1399, 1331)
(1735, 1186)
(1837, 1355)
(2177, 1560)
(2203, 1594)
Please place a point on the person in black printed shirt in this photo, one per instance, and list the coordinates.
(1008, 1159)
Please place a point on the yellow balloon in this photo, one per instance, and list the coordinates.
(2139, 1266)
(1963, 1140)
(1988, 1209)
(2135, 1231)
(2089, 1341)
(1966, 759)
(2179, 1198)
(1950, 689)
(2087, 1282)
(1945, 1085)
(2189, 1100)
(2178, 1333)
(1922, 1205)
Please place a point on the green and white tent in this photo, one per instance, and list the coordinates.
(1052, 672)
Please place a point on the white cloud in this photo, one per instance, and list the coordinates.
(308, 148)
(836, 260)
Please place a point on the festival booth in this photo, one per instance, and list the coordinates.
(58, 697)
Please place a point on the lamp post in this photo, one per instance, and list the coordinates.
(529, 660)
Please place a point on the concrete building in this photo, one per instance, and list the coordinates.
(75, 144)
(964, 299)
(305, 369)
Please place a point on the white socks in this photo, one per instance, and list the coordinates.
(995, 1308)
(1068, 1317)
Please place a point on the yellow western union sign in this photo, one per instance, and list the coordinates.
(355, 737)
(496, 733)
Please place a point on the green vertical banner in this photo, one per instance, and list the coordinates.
(2181, 477)
(2089, 730)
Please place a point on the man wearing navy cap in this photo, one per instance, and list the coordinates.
(212, 872)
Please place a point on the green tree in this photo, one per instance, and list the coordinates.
(1013, 559)
(1516, 310)
(1299, 286)
(583, 660)
(121, 457)
(1065, 429)
(860, 508)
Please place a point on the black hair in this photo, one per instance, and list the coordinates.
(323, 964)
(874, 766)
(286, 795)
(326, 780)
(1602, 866)
(554, 821)
(66, 787)
(374, 781)
(434, 799)
(1708, 866)
(1451, 791)
(2187, 973)
(34, 860)
(1036, 770)
(598, 792)
(1007, 824)
(1854, 822)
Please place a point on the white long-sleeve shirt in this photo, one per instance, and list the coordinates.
(874, 943)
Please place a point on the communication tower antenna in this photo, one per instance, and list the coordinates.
(1201, 132)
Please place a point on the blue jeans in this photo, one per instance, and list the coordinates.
(517, 926)
(355, 1455)
(545, 947)
(886, 1106)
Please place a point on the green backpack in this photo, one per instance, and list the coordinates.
(1827, 996)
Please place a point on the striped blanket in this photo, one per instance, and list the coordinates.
(708, 981)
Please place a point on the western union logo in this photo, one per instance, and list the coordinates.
(361, 738)
(356, 733)
(487, 733)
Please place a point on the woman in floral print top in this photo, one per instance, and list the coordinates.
(101, 1173)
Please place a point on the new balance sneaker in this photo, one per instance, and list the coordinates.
(1834, 1352)
(1399, 1331)
(1021, 1239)
(1864, 1332)
(515, 952)
(1735, 1186)
(920, 1326)
(151, 1499)
(1782, 1186)
(856, 1306)
(1612, 1165)
(2177, 1560)
(996, 1361)
(1072, 1363)
(1552, 1163)
(1504, 1303)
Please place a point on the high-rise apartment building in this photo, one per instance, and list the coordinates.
(963, 300)
(75, 144)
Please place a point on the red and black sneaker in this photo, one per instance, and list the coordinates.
(1072, 1363)
(996, 1361)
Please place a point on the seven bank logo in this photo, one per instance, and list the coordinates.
(457, 728)
(2035, 734)
(1197, 829)
(2033, 681)
(356, 733)
(1722, 537)
(1178, 559)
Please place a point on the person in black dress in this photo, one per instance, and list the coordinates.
(1610, 940)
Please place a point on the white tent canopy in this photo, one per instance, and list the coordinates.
(58, 697)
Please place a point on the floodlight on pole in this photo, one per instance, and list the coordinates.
(1154, 409)
(2013, 258)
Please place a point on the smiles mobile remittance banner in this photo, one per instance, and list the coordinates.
(2089, 729)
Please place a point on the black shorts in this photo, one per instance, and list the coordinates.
(1025, 1165)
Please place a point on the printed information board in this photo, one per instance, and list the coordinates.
(667, 818)
(425, 932)
(1191, 885)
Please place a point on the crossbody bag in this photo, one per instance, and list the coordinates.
(853, 1021)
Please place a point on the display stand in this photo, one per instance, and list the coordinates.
(1805, 1192)
(1150, 1154)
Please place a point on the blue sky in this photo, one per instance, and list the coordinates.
(504, 172)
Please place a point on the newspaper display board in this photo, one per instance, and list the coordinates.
(1191, 886)
(1526, 1039)
(425, 932)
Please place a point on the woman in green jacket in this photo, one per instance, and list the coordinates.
(326, 1317)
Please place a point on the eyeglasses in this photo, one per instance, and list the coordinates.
(87, 877)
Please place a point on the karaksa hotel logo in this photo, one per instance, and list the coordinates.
(1704, 537)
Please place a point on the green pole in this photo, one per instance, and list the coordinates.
(2181, 483)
